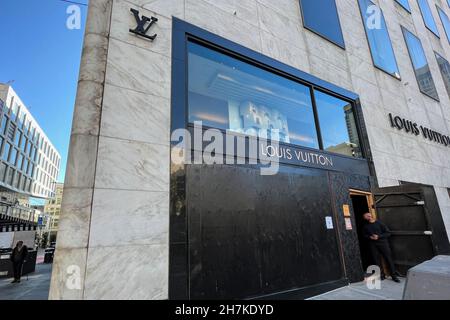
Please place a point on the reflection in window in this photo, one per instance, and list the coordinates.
(16, 180)
(19, 163)
(405, 4)
(444, 66)
(17, 138)
(230, 94)
(3, 168)
(321, 17)
(25, 165)
(22, 143)
(12, 158)
(445, 22)
(420, 65)
(6, 151)
(4, 123)
(9, 176)
(428, 16)
(15, 109)
(379, 41)
(337, 125)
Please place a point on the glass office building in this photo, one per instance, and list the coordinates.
(347, 98)
(29, 163)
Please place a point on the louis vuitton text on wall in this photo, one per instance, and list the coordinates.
(416, 129)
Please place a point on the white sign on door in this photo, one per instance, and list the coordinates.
(329, 222)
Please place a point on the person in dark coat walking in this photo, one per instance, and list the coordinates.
(18, 256)
(377, 234)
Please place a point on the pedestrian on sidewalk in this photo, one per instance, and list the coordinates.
(18, 256)
(378, 233)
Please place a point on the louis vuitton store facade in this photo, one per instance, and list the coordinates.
(136, 223)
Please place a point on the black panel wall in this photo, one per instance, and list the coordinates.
(252, 235)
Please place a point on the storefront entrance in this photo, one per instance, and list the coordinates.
(234, 231)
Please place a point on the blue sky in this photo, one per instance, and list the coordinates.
(42, 56)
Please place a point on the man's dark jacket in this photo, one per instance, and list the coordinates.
(17, 256)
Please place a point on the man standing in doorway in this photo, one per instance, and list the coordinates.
(18, 257)
(377, 234)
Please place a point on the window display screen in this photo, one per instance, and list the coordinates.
(230, 94)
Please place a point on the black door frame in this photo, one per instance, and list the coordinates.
(370, 204)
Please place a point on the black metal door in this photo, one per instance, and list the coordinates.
(412, 214)
(253, 235)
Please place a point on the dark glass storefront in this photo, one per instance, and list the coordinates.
(230, 94)
(235, 233)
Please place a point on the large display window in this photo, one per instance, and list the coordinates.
(227, 93)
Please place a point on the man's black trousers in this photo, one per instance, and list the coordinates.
(381, 247)
(17, 269)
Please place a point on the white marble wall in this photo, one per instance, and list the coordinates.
(115, 216)
(71, 256)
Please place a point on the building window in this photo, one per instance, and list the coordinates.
(321, 17)
(337, 125)
(28, 148)
(33, 154)
(11, 131)
(444, 66)
(29, 168)
(4, 123)
(12, 158)
(445, 22)
(25, 165)
(6, 151)
(16, 180)
(9, 176)
(379, 41)
(229, 94)
(23, 142)
(420, 65)
(3, 168)
(20, 161)
(17, 138)
(405, 4)
(428, 16)
(15, 108)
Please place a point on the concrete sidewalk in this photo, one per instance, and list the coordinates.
(38, 284)
(359, 291)
(35, 288)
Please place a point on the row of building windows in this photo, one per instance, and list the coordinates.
(15, 178)
(25, 154)
(23, 149)
(322, 18)
(18, 116)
